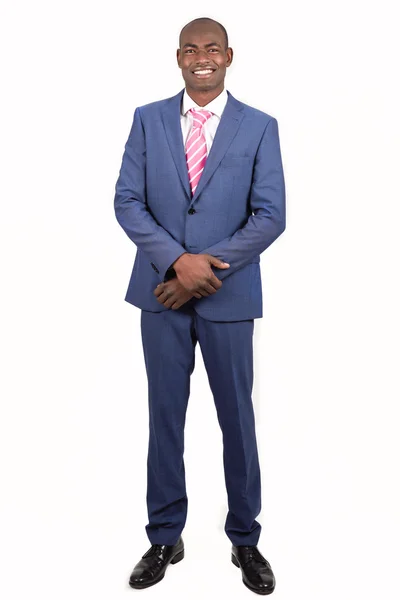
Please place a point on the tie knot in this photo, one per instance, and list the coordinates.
(200, 116)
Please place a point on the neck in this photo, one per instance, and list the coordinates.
(204, 97)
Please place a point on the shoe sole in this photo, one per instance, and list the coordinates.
(177, 558)
(237, 564)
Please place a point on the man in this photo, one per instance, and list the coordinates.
(201, 193)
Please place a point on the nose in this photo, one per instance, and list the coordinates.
(202, 55)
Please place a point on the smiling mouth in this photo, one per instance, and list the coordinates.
(203, 73)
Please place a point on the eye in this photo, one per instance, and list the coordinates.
(213, 50)
(189, 50)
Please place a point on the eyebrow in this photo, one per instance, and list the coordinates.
(206, 45)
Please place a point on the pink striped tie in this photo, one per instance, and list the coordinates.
(196, 147)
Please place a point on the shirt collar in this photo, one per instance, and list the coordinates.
(216, 106)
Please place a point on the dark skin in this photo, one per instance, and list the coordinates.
(202, 46)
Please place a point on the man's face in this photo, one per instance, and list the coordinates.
(203, 57)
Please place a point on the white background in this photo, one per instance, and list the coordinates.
(74, 392)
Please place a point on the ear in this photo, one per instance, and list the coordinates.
(229, 54)
(178, 57)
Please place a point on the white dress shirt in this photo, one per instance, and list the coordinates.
(216, 106)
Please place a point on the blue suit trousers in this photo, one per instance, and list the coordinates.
(169, 339)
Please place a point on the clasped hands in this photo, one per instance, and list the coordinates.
(194, 277)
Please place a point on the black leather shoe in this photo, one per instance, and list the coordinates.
(153, 564)
(257, 574)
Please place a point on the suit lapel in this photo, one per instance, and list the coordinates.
(171, 116)
(226, 131)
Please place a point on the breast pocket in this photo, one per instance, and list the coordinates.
(239, 169)
(237, 162)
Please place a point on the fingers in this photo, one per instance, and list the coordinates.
(177, 304)
(170, 298)
(214, 282)
(207, 289)
(159, 289)
(169, 302)
(207, 286)
(162, 294)
(166, 293)
(216, 262)
(162, 298)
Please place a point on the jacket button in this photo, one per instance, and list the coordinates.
(191, 211)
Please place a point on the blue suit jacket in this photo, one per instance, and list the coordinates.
(239, 204)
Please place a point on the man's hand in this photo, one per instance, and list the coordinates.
(172, 294)
(195, 274)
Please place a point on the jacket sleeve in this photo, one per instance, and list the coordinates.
(131, 209)
(267, 200)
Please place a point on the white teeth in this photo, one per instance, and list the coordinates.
(203, 72)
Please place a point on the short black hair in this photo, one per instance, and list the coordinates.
(207, 19)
